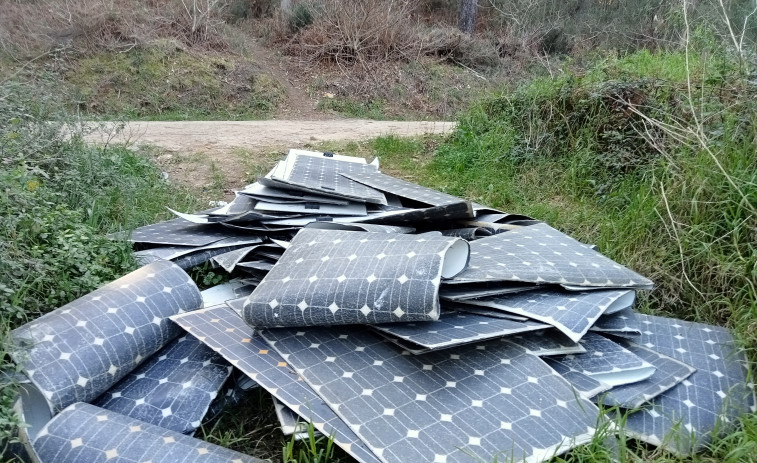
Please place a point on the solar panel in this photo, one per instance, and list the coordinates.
(78, 351)
(461, 292)
(585, 385)
(321, 175)
(682, 419)
(623, 323)
(668, 373)
(178, 232)
(571, 313)
(540, 254)
(233, 289)
(223, 331)
(547, 342)
(607, 361)
(329, 277)
(86, 433)
(481, 401)
(454, 329)
(403, 188)
(172, 389)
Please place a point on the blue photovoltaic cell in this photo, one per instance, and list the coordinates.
(226, 333)
(172, 389)
(682, 419)
(478, 402)
(454, 329)
(80, 350)
(86, 433)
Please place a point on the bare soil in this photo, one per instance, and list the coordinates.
(216, 157)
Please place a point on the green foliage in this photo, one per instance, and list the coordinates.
(302, 16)
(58, 197)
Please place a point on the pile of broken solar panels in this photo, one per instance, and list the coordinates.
(412, 325)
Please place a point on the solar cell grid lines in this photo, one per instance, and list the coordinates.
(682, 418)
(540, 254)
(78, 351)
(86, 433)
(482, 400)
(225, 332)
(329, 277)
(573, 313)
(455, 329)
(173, 389)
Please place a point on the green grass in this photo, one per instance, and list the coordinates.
(162, 81)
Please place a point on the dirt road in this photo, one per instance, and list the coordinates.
(198, 136)
(213, 158)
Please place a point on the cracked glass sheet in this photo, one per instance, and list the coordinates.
(330, 277)
(233, 289)
(546, 342)
(86, 433)
(480, 401)
(172, 389)
(623, 323)
(315, 173)
(269, 194)
(367, 227)
(193, 260)
(179, 232)
(586, 386)
(570, 312)
(607, 361)
(454, 329)
(540, 254)
(224, 331)
(80, 350)
(668, 373)
(239, 205)
(682, 419)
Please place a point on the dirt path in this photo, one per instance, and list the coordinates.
(219, 156)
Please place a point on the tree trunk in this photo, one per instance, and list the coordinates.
(285, 10)
(468, 16)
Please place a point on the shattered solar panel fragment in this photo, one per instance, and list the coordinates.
(547, 342)
(455, 329)
(226, 333)
(623, 323)
(540, 254)
(315, 173)
(585, 385)
(608, 361)
(457, 406)
(570, 312)
(78, 351)
(172, 389)
(331, 277)
(683, 418)
(668, 373)
(86, 433)
(178, 232)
